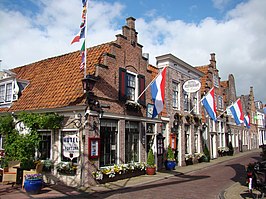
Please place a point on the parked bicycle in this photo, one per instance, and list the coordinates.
(256, 177)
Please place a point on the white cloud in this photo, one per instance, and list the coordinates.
(220, 4)
(34, 37)
(238, 41)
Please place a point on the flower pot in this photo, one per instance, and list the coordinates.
(170, 165)
(33, 186)
(150, 170)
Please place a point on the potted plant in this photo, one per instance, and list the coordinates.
(151, 167)
(33, 183)
(170, 162)
(206, 153)
(66, 168)
(47, 165)
(231, 149)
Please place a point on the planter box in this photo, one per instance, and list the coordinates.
(68, 173)
(128, 174)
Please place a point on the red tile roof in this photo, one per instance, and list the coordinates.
(56, 82)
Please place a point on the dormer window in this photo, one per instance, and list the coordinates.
(5, 92)
(10, 88)
(131, 86)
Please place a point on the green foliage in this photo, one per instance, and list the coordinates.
(22, 147)
(36, 121)
(6, 124)
(231, 149)
(151, 159)
(170, 154)
(207, 153)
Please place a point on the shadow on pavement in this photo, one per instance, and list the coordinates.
(152, 185)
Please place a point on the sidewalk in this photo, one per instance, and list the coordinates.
(235, 191)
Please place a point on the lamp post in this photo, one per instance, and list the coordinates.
(88, 85)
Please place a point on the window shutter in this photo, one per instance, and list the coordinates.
(122, 84)
(142, 99)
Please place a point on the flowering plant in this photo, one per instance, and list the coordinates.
(189, 157)
(112, 171)
(132, 104)
(66, 167)
(36, 176)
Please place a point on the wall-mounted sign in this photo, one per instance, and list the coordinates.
(71, 146)
(94, 148)
(191, 86)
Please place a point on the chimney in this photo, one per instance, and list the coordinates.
(129, 31)
(213, 61)
(251, 94)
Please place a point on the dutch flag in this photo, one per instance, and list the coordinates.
(157, 92)
(247, 121)
(209, 104)
(237, 112)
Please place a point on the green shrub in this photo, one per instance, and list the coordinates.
(151, 159)
(170, 154)
(231, 149)
(207, 153)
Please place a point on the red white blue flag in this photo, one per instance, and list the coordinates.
(247, 121)
(237, 112)
(157, 92)
(208, 102)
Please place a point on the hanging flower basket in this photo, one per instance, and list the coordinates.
(66, 168)
(132, 105)
(189, 119)
(197, 120)
(178, 119)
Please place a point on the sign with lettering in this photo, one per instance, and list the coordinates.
(71, 146)
(191, 86)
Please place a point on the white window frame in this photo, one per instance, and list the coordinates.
(3, 98)
(136, 85)
(43, 131)
(176, 98)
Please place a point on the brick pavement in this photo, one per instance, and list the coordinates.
(59, 190)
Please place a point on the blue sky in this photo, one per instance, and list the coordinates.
(189, 29)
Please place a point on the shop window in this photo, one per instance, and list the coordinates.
(44, 145)
(132, 142)
(108, 139)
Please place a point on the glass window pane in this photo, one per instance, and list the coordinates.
(132, 142)
(8, 92)
(108, 135)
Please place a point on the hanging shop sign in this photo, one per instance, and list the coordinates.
(191, 86)
(71, 146)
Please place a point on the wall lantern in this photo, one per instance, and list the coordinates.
(88, 83)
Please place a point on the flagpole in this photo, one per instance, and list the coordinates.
(85, 52)
(149, 84)
(199, 101)
(221, 114)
